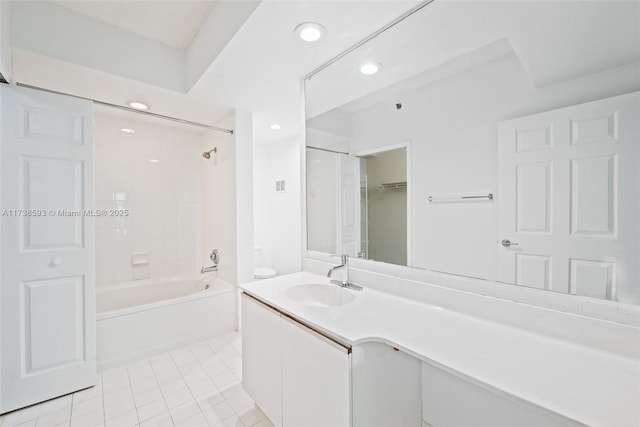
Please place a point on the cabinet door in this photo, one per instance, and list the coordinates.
(315, 378)
(261, 357)
(386, 387)
(450, 401)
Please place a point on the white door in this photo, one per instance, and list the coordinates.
(569, 199)
(349, 219)
(47, 278)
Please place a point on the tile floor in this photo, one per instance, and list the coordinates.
(198, 385)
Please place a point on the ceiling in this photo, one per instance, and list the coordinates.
(118, 51)
(198, 60)
(262, 67)
(173, 23)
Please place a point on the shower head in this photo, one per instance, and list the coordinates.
(207, 154)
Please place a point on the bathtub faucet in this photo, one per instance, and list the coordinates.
(208, 269)
(215, 259)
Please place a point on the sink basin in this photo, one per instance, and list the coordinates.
(320, 295)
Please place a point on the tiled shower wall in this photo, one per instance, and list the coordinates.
(155, 174)
(219, 200)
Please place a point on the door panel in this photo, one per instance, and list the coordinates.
(39, 191)
(533, 139)
(592, 278)
(533, 271)
(533, 197)
(45, 125)
(53, 321)
(570, 197)
(47, 277)
(593, 195)
(599, 128)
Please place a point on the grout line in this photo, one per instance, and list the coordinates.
(104, 414)
(132, 399)
(209, 352)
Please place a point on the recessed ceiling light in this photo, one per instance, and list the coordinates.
(370, 68)
(127, 130)
(138, 105)
(275, 126)
(153, 160)
(310, 31)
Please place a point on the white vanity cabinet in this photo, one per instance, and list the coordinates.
(295, 375)
(450, 401)
(262, 357)
(315, 378)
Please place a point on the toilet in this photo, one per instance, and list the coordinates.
(259, 270)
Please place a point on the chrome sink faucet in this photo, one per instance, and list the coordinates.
(345, 283)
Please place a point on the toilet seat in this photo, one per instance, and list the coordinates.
(264, 273)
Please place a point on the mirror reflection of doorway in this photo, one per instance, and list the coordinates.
(383, 206)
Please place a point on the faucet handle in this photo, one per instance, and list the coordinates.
(215, 257)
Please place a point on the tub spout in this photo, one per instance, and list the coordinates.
(208, 269)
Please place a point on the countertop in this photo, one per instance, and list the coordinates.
(581, 383)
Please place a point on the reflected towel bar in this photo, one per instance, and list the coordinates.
(454, 198)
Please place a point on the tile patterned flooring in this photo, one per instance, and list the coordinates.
(198, 385)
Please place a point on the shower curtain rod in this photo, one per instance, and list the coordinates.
(327, 150)
(122, 107)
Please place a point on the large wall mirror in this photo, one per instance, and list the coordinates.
(491, 139)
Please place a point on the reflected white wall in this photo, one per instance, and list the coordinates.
(322, 190)
(452, 125)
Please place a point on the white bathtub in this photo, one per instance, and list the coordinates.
(145, 317)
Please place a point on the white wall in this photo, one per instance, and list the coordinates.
(243, 132)
(452, 125)
(214, 34)
(5, 46)
(163, 198)
(277, 221)
(262, 188)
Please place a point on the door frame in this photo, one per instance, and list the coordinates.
(380, 149)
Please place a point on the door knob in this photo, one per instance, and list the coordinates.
(506, 243)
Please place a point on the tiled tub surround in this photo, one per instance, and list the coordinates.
(578, 382)
(198, 385)
(156, 174)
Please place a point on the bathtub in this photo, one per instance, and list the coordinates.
(145, 317)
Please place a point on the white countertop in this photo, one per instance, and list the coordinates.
(581, 383)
